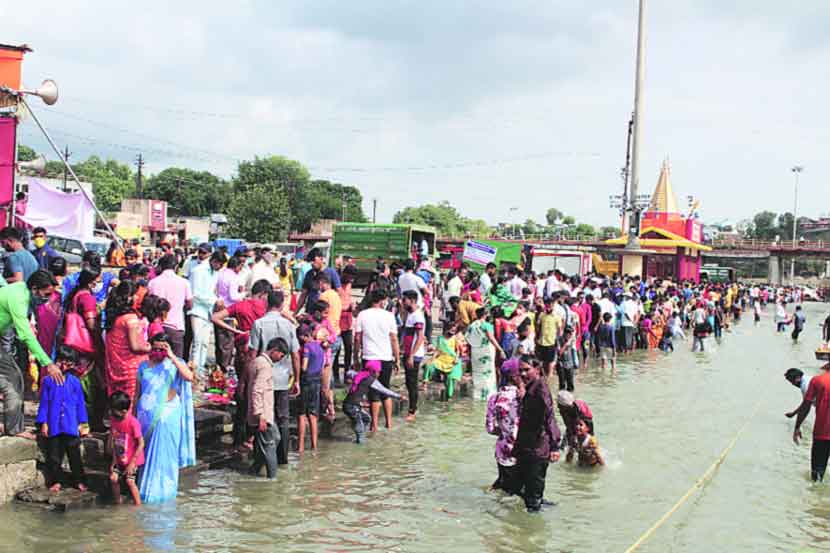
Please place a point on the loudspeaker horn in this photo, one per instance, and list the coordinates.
(47, 91)
(38, 165)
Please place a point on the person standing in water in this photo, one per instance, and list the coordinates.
(798, 323)
(538, 437)
(818, 393)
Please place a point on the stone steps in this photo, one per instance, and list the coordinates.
(21, 460)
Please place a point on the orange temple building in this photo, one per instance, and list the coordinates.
(676, 239)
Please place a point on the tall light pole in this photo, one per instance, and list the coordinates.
(513, 211)
(636, 137)
(797, 169)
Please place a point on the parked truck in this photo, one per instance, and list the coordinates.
(365, 243)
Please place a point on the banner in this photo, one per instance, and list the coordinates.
(69, 215)
(158, 215)
(7, 130)
(479, 253)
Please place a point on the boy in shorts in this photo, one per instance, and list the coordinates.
(127, 446)
(311, 378)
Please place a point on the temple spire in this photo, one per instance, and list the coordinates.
(663, 200)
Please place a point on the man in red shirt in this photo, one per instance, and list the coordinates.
(818, 393)
(245, 312)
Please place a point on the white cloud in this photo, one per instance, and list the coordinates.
(735, 95)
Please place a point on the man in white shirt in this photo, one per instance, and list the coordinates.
(456, 284)
(516, 284)
(606, 305)
(376, 339)
(414, 348)
(263, 269)
(485, 281)
(630, 322)
(410, 281)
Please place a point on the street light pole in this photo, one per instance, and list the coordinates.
(796, 171)
(634, 184)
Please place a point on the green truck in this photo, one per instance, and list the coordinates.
(366, 242)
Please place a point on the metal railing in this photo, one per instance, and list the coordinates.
(753, 244)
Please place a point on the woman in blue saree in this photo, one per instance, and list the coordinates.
(165, 411)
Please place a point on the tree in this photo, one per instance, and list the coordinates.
(260, 213)
(326, 201)
(478, 228)
(444, 217)
(568, 220)
(763, 226)
(609, 232)
(584, 230)
(189, 192)
(553, 215)
(277, 172)
(111, 180)
(24, 153)
(530, 227)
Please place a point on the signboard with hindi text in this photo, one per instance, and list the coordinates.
(479, 253)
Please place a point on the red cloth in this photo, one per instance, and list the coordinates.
(122, 363)
(819, 393)
(125, 435)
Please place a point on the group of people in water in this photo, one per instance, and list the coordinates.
(519, 331)
(120, 348)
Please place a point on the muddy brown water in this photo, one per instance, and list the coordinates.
(661, 420)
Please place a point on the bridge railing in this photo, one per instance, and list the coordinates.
(753, 244)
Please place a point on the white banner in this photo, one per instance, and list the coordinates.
(477, 252)
(69, 215)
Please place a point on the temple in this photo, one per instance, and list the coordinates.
(675, 239)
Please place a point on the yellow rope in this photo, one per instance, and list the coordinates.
(696, 486)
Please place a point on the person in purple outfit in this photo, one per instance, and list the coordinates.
(503, 421)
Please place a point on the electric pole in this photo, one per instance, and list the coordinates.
(139, 162)
(66, 154)
(343, 197)
(374, 210)
(634, 178)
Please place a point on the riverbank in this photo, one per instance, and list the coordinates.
(21, 460)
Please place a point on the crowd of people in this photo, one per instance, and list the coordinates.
(122, 350)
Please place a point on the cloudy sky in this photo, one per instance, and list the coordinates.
(489, 105)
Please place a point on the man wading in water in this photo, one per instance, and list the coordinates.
(537, 442)
(818, 392)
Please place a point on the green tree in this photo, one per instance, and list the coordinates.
(259, 213)
(609, 232)
(568, 220)
(189, 192)
(553, 215)
(24, 153)
(111, 180)
(326, 201)
(444, 217)
(763, 226)
(585, 230)
(280, 173)
(530, 227)
(478, 228)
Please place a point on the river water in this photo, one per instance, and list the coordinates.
(661, 419)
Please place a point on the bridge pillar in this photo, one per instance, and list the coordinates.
(774, 270)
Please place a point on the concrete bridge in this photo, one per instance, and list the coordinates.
(778, 253)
